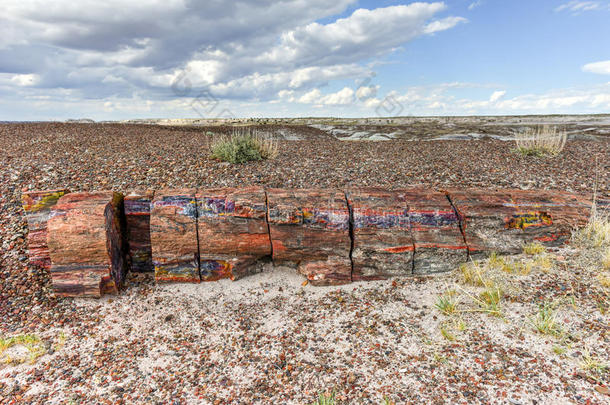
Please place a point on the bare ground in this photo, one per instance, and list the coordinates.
(268, 338)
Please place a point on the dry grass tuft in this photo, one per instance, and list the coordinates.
(533, 248)
(448, 302)
(593, 242)
(474, 274)
(326, 399)
(32, 343)
(541, 141)
(244, 145)
(593, 365)
(545, 321)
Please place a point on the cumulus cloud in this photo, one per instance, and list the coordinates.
(242, 50)
(441, 99)
(602, 68)
(344, 96)
(366, 92)
(496, 95)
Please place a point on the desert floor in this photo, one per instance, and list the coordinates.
(271, 339)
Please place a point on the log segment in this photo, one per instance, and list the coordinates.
(312, 229)
(383, 244)
(436, 232)
(37, 206)
(86, 245)
(232, 231)
(137, 215)
(173, 236)
(503, 221)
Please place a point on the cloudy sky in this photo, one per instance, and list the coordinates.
(121, 59)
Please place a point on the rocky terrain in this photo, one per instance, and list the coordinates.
(271, 339)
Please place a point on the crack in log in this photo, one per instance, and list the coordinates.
(350, 211)
(461, 224)
(268, 223)
(198, 254)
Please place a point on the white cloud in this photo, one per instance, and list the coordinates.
(248, 50)
(496, 95)
(311, 97)
(26, 80)
(602, 68)
(578, 6)
(475, 4)
(439, 99)
(365, 92)
(344, 96)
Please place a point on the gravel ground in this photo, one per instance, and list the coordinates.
(268, 338)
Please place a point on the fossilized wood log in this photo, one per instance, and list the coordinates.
(137, 214)
(311, 228)
(232, 231)
(173, 235)
(334, 237)
(504, 220)
(383, 245)
(37, 206)
(86, 244)
(436, 232)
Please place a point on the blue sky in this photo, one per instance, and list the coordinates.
(268, 58)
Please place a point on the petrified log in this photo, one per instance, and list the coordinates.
(173, 236)
(435, 228)
(383, 244)
(37, 206)
(504, 220)
(137, 214)
(86, 244)
(311, 228)
(233, 231)
(565, 212)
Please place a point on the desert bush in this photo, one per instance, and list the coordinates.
(541, 141)
(243, 146)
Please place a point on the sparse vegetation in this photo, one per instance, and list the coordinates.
(448, 303)
(596, 234)
(533, 248)
(32, 343)
(545, 321)
(544, 263)
(490, 300)
(473, 274)
(606, 260)
(387, 401)
(447, 334)
(540, 141)
(242, 146)
(326, 399)
(593, 365)
(593, 242)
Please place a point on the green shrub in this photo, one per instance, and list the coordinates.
(243, 146)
